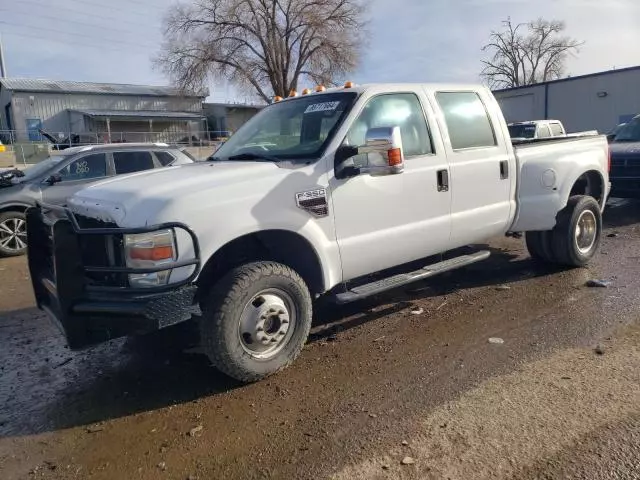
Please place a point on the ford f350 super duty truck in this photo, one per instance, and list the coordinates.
(330, 193)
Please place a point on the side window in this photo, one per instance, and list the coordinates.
(129, 162)
(556, 130)
(543, 131)
(402, 110)
(165, 158)
(467, 120)
(89, 166)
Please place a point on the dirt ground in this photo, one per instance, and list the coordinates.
(406, 385)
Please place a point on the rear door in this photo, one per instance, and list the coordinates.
(76, 175)
(133, 161)
(482, 176)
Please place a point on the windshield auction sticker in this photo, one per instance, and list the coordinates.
(322, 107)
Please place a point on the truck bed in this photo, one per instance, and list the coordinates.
(548, 171)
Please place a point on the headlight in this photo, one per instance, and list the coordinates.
(150, 250)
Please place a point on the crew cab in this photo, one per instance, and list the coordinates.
(65, 172)
(625, 160)
(336, 193)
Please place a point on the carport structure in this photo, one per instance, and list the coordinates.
(140, 125)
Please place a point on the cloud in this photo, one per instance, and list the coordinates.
(410, 40)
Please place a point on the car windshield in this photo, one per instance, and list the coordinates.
(297, 128)
(629, 132)
(39, 168)
(522, 131)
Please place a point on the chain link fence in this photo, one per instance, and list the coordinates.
(24, 148)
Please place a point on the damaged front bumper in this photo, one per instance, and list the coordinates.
(80, 278)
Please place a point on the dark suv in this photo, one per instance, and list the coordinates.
(625, 161)
(56, 178)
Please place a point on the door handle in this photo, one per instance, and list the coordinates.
(504, 169)
(443, 180)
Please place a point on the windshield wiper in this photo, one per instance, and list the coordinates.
(254, 156)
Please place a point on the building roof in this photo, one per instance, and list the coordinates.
(140, 114)
(569, 79)
(57, 86)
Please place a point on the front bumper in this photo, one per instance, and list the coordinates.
(79, 278)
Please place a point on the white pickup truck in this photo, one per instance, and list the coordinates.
(331, 193)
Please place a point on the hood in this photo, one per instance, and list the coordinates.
(626, 149)
(150, 191)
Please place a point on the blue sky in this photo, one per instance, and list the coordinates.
(410, 40)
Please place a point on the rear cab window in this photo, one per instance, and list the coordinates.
(467, 120)
(165, 158)
(556, 130)
(130, 162)
(543, 131)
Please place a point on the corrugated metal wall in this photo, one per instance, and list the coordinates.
(52, 109)
(597, 102)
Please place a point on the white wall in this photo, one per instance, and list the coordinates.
(576, 102)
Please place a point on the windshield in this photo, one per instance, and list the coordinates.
(292, 129)
(522, 131)
(629, 132)
(39, 168)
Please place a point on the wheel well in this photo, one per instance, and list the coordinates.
(280, 246)
(589, 183)
(14, 208)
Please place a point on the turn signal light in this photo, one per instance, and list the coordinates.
(154, 254)
(395, 157)
(320, 88)
(293, 93)
(348, 85)
(306, 91)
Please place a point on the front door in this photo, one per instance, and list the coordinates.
(383, 221)
(74, 176)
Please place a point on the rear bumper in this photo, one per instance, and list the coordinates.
(92, 307)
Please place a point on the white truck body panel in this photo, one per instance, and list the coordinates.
(547, 173)
(373, 222)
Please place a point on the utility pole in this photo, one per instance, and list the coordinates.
(3, 68)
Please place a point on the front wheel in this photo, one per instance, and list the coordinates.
(13, 234)
(256, 320)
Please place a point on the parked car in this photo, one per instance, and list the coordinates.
(625, 161)
(337, 194)
(611, 135)
(57, 177)
(535, 129)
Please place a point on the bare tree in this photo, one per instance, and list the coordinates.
(524, 54)
(268, 46)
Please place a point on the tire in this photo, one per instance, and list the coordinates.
(539, 246)
(13, 234)
(578, 231)
(256, 320)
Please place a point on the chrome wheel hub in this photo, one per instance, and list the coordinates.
(586, 231)
(13, 234)
(266, 324)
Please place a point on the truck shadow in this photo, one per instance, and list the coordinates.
(503, 267)
(621, 213)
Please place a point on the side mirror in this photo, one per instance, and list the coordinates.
(53, 179)
(384, 144)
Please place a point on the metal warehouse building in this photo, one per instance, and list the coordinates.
(98, 111)
(598, 101)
